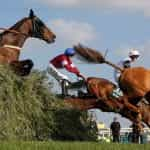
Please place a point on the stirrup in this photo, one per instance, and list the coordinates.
(81, 93)
(66, 96)
(66, 81)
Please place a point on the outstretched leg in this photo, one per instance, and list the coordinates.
(130, 106)
(64, 88)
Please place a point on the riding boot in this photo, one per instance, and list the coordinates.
(64, 88)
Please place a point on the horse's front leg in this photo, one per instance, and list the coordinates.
(23, 67)
(130, 106)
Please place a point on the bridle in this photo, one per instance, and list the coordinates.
(17, 48)
(36, 32)
(14, 31)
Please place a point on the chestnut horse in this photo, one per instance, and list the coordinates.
(135, 82)
(102, 89)
(13, 39)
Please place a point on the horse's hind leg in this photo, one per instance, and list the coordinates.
(23, 67)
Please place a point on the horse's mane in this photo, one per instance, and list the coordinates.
(15, 26)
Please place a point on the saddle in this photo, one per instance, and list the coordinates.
(79, 86)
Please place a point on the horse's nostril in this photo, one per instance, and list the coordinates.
(54, 36)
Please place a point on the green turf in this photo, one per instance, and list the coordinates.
(69, 146)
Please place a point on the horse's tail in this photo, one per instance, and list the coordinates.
(93, 56)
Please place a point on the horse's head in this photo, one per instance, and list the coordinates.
(40, 30)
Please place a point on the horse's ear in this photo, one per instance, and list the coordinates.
(31, 14)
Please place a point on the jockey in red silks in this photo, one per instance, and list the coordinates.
(63, 61)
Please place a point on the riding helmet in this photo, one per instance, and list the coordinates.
(134, 52)
(70, 52)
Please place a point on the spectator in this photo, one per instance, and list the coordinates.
(137, 133)
(115, 129)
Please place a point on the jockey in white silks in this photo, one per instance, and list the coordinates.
(125, 63)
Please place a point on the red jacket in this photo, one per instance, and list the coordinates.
(63, 61)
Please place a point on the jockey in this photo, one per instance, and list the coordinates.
(125, 63)
(63, 61)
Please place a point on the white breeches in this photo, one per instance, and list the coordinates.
(116, 75)
(56, 74)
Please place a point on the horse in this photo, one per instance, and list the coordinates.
(102, 99)
(134, 82)
(13, 39)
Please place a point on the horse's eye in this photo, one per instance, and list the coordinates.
(40, 23)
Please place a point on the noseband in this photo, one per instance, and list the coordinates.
(36, 32)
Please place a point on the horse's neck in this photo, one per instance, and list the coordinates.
(82, 104)
(16, 39)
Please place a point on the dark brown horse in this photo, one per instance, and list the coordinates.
(13, 39)
(102, 99)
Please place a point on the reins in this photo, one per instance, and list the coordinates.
(14, 31)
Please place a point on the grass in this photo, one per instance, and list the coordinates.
(69, 146)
